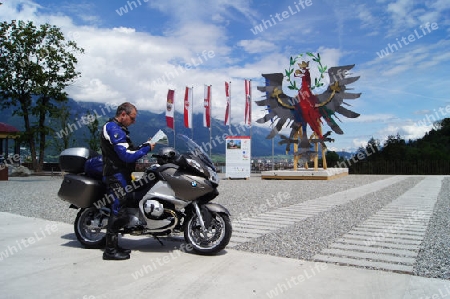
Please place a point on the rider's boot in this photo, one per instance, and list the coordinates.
(111, 250)
(123, 250)
(120, 221)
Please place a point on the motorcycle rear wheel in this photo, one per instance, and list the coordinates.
(215, 239)
(88, 228)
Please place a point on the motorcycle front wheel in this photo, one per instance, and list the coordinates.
(90, 228)
(213, 239)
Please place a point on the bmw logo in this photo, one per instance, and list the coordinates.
(194, 184)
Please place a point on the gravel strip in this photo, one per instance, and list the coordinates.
(434, 255)
(308, 237)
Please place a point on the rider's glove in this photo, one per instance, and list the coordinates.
(148, 143)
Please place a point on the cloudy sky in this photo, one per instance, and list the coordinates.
(136, 50)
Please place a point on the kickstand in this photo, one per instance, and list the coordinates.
(160, 242)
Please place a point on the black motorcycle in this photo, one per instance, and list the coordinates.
(173, 196)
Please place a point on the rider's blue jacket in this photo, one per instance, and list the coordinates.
(119, 153)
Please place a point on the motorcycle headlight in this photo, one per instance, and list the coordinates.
(213, 177)
(195, 165)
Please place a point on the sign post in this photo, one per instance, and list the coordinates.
(238, 157)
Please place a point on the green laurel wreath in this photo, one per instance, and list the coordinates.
(317, 82)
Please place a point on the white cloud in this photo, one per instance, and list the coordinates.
(406, 132)
(220, 11)
(19, 10)
(402, 12)
(440, 5)
(257, 46)
(406, 14)
(414, 132)
(365, 16)
(373, 118)
(357, 143)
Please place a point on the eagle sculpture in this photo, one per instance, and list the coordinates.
(307, 109)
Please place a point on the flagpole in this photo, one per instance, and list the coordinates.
(174, 122)
(210, 123)
(273, 154)
(250, 114)
(248, 106)
(192, 112)
(229, 113)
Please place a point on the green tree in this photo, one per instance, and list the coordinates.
(64, 137)
(332, 158)
(443, 126)
(36, 65)
(372, 150)
(394, 148)
(94, 133)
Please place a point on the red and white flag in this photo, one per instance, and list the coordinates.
(227, 111)
(170, 109)
(207, 105)
(248, 102)
(188, 107)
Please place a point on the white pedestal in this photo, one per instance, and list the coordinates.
(304, 174)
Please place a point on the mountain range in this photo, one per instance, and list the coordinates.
(148, 123)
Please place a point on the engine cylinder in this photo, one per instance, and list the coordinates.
(153, 209)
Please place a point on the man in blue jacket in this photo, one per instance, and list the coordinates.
(119, 161)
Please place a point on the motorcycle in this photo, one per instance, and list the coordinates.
(173, 196)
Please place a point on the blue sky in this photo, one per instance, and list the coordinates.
(136, 50)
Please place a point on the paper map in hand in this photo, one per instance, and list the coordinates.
(160, 138)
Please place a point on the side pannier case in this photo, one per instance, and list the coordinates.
(80, 190)
(76, 188)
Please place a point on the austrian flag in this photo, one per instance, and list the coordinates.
(188, 107)
(248, 102)
(170, 108)
(227, 111)
(207, 105)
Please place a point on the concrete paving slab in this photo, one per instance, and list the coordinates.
(403, 235)
(251, 230)
(241, 225)
(294, 216)
(247, 234)
(256, 221)
(286, 215)
(364, 263)
(274, 219)
(365, 227)
(378, 244)
(401, 252)
(386, 224)
(372, 256)
(42, 259)
(388, 239)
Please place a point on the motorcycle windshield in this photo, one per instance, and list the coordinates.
(196, 150)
